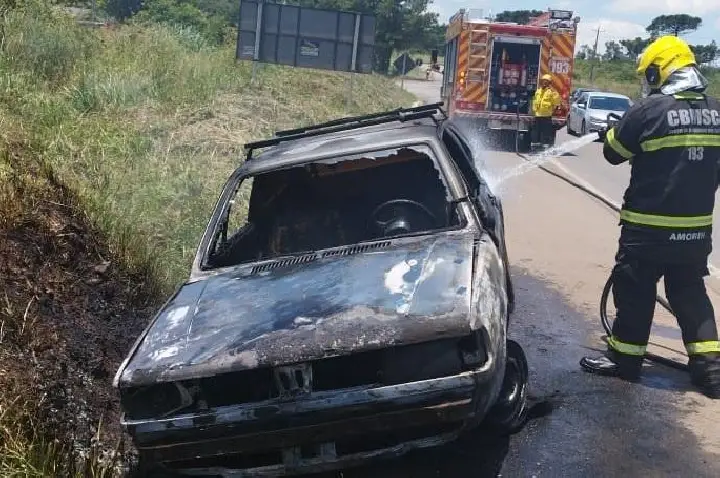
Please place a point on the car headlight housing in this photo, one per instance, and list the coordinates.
(156, 401)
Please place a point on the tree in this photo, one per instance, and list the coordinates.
(584, 53)
(435, 37)
(613, 51)
(227, 9)
(634, 46)
(705, 54)
(123, 9)
(517, 16)
(186, 13)
(673, 25)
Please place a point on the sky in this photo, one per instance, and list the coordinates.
(617, 19)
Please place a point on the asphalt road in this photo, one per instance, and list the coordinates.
(561, 245)
(588, 164)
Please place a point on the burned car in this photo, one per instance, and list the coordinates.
(349, 300)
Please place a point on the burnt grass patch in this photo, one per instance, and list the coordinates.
(68, 315)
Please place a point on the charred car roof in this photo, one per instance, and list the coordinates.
(345, 136)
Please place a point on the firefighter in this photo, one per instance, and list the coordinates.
(545, 102)
(671, 137)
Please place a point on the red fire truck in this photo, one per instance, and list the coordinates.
(492, 69)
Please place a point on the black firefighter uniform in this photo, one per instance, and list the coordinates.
(673, 145)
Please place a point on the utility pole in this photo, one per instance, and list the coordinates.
(595, 47)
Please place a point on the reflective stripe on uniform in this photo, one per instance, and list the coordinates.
(666, 221)
(625, 348)
(617, 145)
(696, 348)
(688, 95)
(681, 141)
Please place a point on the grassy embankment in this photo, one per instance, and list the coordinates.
(114, 145)
(619, 77)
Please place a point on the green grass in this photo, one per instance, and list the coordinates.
(619, 77)
(144, 125)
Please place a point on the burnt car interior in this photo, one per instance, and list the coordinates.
(329, 204)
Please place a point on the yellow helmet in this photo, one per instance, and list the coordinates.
(662, 57)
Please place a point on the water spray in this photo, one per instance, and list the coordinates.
(607, 289)
(537, 160)
(531, 161)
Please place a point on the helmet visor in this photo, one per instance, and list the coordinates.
(644, 87)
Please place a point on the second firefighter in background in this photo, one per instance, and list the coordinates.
(545, 102)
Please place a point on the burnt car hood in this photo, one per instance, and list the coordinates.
(398, 294)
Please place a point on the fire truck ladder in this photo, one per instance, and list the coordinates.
(478, 52)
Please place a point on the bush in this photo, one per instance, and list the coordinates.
(185, 15)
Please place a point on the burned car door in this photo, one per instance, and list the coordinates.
(488, 206)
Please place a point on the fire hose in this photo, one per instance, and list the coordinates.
(607, 289)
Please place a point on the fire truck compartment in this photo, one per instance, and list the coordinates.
(515, 63)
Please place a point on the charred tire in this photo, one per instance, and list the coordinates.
(510, 412)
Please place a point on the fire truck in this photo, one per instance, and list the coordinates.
(492, 69)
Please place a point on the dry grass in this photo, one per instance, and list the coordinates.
(114, 146)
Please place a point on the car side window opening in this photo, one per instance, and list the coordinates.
(240, 206)
(479, 191)
(462, 155)
(331, 203)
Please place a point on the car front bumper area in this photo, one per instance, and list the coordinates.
(596, 125)
(319, 432)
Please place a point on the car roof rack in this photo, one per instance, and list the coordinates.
(348, 123)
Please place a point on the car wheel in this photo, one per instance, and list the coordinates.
(506, 140)
(510, 411)
(525, 142)
(569, 129)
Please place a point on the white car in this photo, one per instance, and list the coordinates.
(589, 113)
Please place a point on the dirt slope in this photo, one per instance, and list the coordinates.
(68, 314)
